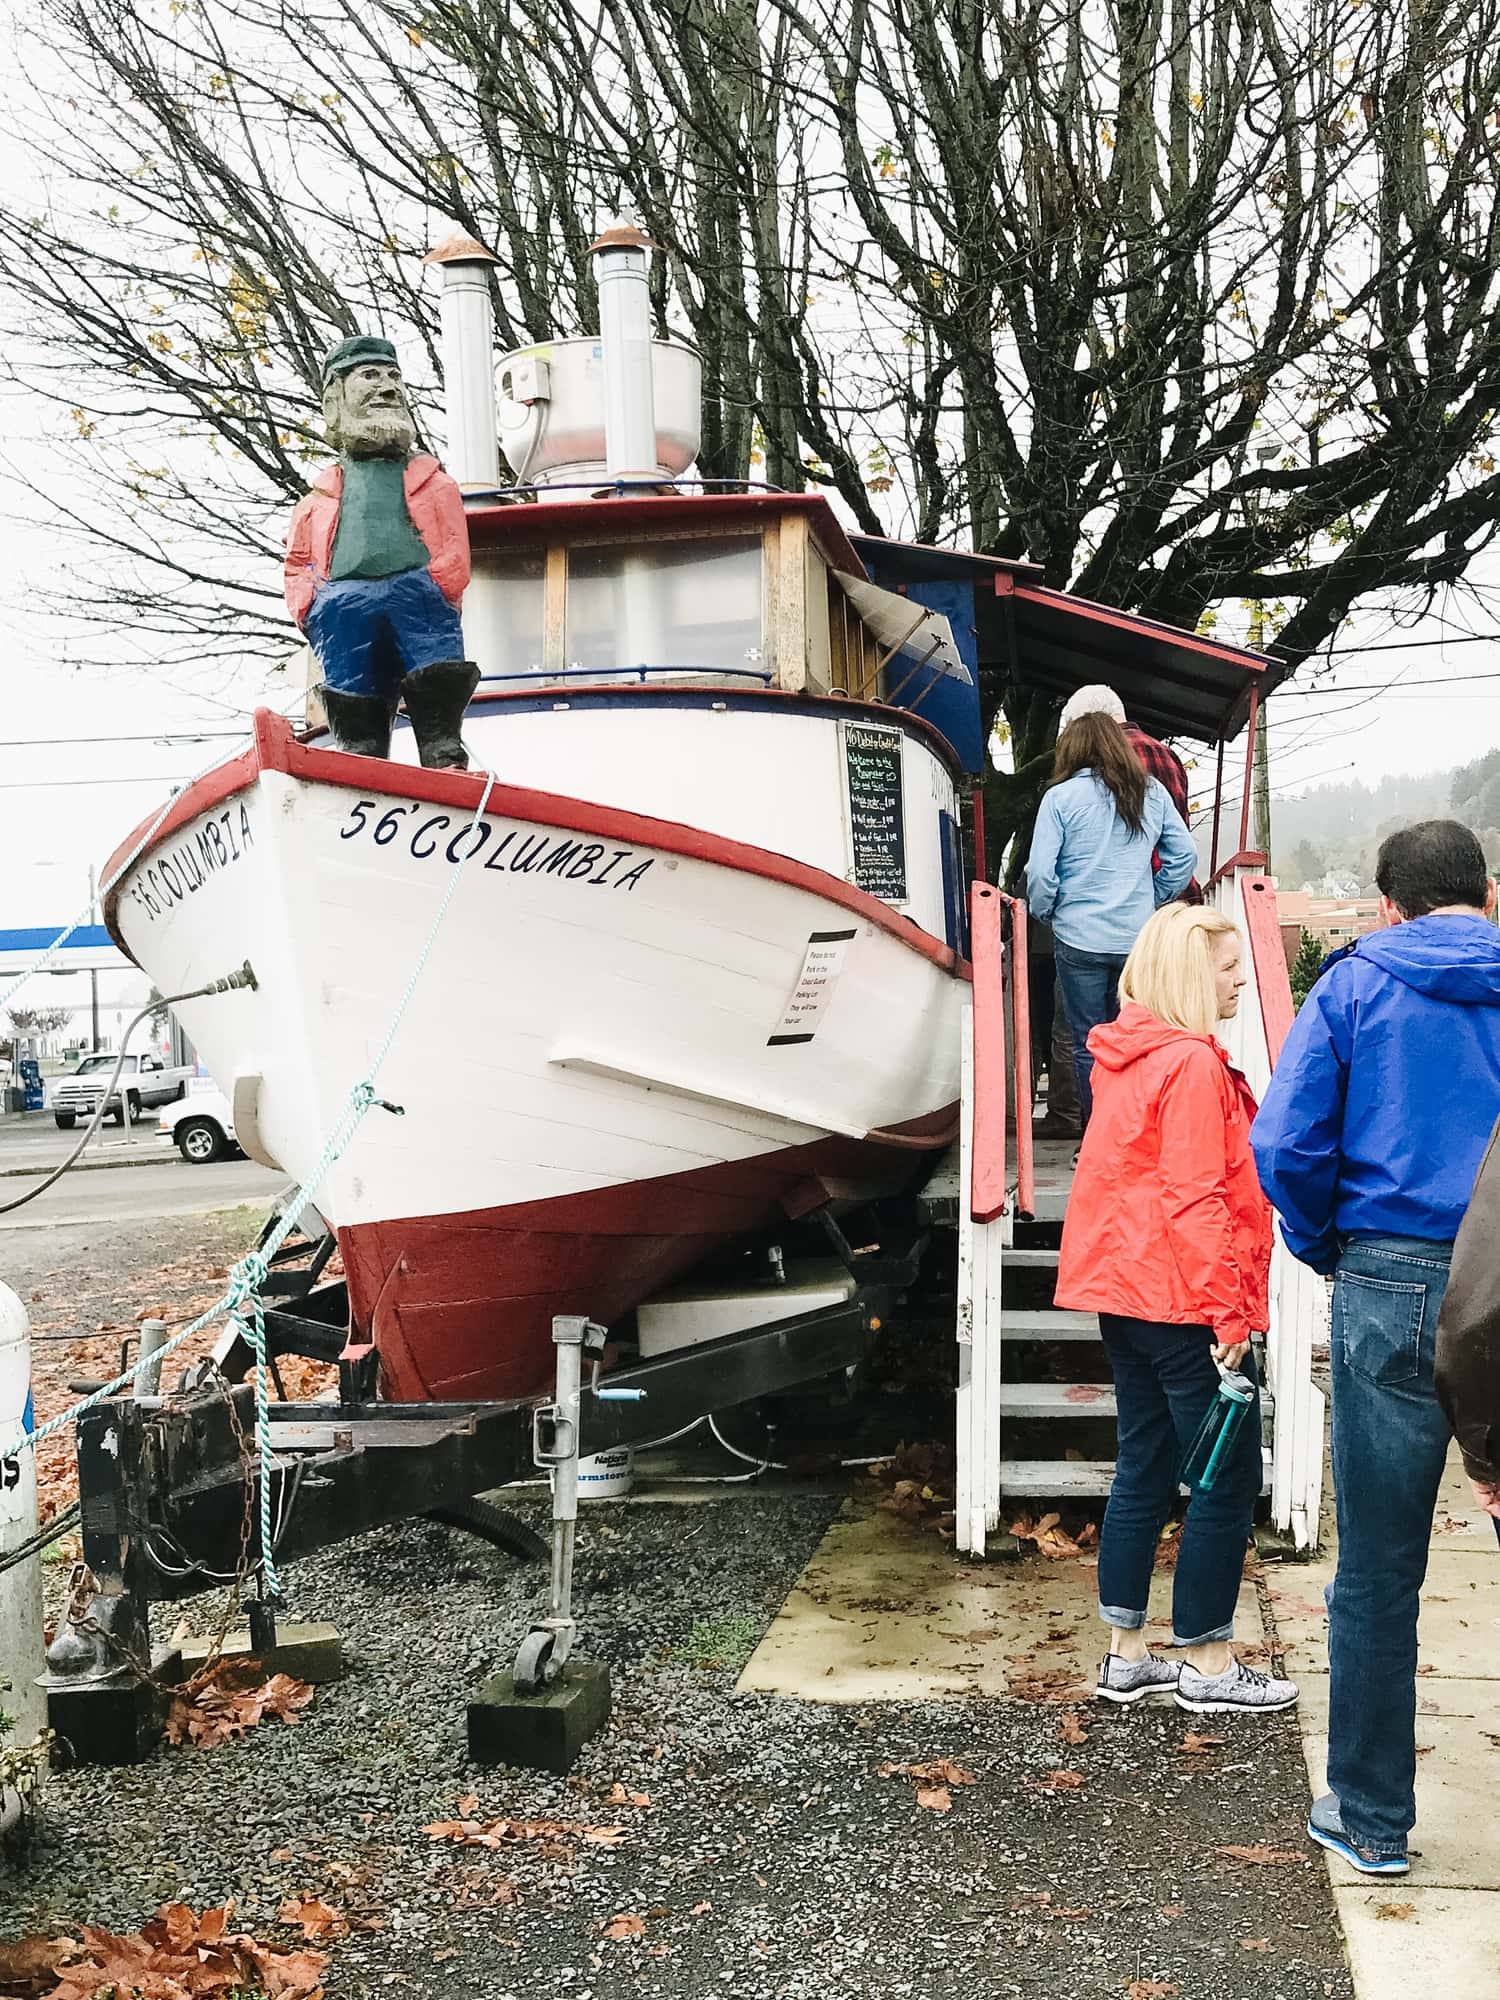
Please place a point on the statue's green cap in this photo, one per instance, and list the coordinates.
(356, 352)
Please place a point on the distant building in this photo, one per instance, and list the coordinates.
(1332, 920)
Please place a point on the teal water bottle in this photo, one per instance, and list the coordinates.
(1216, 1434)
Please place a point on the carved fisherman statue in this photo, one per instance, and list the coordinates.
(377, 558)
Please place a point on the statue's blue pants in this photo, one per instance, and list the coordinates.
(370, 632)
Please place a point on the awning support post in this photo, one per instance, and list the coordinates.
(1249, 767)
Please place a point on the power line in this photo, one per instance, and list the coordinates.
(59, 784)
(1384, 687)
(164, 737)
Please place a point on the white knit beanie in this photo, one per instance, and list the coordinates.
(1096, 700)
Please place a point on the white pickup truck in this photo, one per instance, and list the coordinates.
(144, 1081)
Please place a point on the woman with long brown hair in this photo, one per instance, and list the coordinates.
(1090, 872)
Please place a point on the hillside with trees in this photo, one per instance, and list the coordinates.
(1327, 840)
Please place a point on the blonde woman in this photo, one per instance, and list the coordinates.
(1168, 1239)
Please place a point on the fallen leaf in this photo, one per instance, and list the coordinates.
(701, 1909)
(313, 1918)
(625, 1926)
(1151, 1989)
(1056, 1781)
(1255, 1944)
(1195, 1744)
(1071, 1728)
(468, 1804)
(1260, 1856)
(1173, 1910)
(936, 1798)
(618, 1796)
(1395, 1912)
(444, 1953)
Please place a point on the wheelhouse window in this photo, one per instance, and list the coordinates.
(694, 605)
(515, 583)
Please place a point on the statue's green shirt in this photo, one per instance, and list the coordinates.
(375, 536)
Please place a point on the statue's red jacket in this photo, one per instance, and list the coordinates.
(1166, 1220)
(436, 507)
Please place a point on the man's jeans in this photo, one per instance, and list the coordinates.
(1390, 1440)
(1165, 1382)
(1090, 982)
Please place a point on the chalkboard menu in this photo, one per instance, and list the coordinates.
(872, 761)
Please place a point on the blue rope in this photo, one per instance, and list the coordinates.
(242, 1303)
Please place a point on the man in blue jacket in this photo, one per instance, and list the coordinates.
(1368, 1142)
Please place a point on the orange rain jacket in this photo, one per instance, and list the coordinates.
(436, 506)
(1166, 1220)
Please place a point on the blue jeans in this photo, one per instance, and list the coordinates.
(1390, 1441)
(1090, 982)
(370, 632)
(1165, 1380)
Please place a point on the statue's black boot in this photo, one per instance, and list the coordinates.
(436, 697)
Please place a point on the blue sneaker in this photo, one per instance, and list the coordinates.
(1326, 1827)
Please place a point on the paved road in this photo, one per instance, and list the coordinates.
(33, 1140)
(167, 1187)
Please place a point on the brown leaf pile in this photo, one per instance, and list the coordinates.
(1151, 1989)
(1049, 1538)
(1072, 1728)
(1048, 1686)
(233, 1701)
(176, 1956)
(920, 1479)
(933, 1779)
(558, 1837)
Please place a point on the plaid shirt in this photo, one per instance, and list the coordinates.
(1158, 762)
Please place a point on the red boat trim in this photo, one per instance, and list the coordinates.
(987, 1153)
(1248, 857)
(1272, 981)
(277, 749)
(1248, 662)
(493, 522)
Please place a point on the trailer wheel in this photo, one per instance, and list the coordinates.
(534, 1670)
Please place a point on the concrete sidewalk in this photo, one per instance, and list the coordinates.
(1437, 1929)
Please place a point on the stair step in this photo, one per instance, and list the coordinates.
(1068, 1478)
(1048, 1325)
(1030, 1260)
(1056, 1478)
(1056, 1399)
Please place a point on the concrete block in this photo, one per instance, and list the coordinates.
(308, 1652)
(540, 1732)
(111, 1722)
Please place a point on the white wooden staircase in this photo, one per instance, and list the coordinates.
(1035, 1404)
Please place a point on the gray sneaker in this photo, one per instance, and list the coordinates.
(1238, 1687)
(1127, 1681)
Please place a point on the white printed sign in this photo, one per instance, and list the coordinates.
(822, 963)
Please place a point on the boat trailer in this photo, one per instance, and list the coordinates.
(169, 1488)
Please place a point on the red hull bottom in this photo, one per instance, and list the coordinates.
(460, 1307)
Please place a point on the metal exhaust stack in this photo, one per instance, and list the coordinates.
(625, 335)
(469, 361)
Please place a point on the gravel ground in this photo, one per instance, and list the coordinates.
(771, 1859)
(765, 1858)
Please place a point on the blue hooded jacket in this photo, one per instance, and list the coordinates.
(1387, 1089)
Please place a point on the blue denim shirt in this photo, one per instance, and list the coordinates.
(1090, 877)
